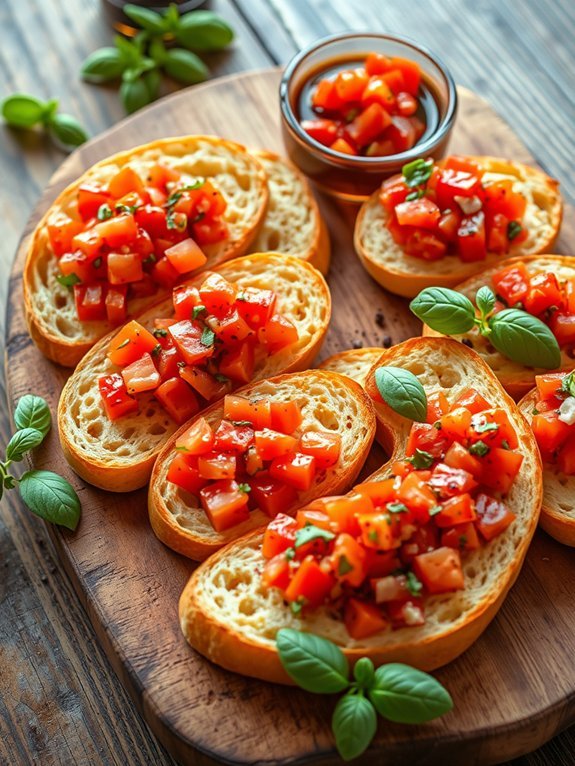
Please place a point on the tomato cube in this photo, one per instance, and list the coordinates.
(271, 496)
(255, 306)
(239, 363)
(116, 305)
(178, 399)
(310, 585)
(440, 570)
(563, 327)
(62, 233)
(362, 619)
(186, 298)
(566, 457)
(202, 382)
(500, 467)
(324, 446)
(185, 256)
(323, 131)
(232, 438)
(225, 504)
(297, 470)
(90, 302)
(218, 295)
(256, 411)
(377, 531)
(448, 482)
(191, 340)
(419, 212)
(462, 537)
(217, 465)
(197, 439)
(367, 126)
(141, 375)
(276, 573)
(184, 474)
(456, 510)
(230, 328)
(493, 516)
(115, 398)
(279, 535)
(543, 293)
(549, 431)
(285, 416)
(272, 444)
(124, 182)
(278, 333)
(130, 343)
(124, 268)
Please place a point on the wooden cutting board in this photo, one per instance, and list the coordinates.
(513, 690)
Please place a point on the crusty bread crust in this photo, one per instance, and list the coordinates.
(49, 307)
(119, 455)
(355, 363)
(328, 402)
(293, 223)
(558, 510)
(226, 614)
(406, 275)
(516, 379)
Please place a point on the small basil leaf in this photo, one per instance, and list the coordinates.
(314, 663)
(363, 672)
(158, 51)
(524, 339)
(129, 51)
(51, 497)
(444, 310)
(153, 80)
(185, 66)
(33, 412)
(67, 130)
(204, 31)
(22, 111)
(134, 95)
(404, 694)
(309, 533)
(50, 109)
(354, 724)
(103, 65)
(403, 392)
(485, 300)
(22, 442)
(146, 18)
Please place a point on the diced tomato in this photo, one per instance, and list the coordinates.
(209, 232)
(437, 406)
(324, 446)
(185, 474)
(419, 212)
(141, 375)
(500, 198)
(255, 306)
(569, 288)
(381, 563)
(130, 343)
(90, 198)
(368, 125)
(493, 427)
(124, 268)
(90, 302)
(457, 456)
(500, 467)
(563, 327)
(440, 570)
(324, 131)
(279, 535)
(217, 294)
(239, 364)
(325, 96)
(549, 384)
(362, 619)
(159, 175)
(273, 497)
(401, 468)
(411, 72)
(377, 531)
(231, 438)
(566, 457)
(455, 424)
(380, 148)
(256, 411)
(472, 401)
(512, 283)
(225, 504)
(230, 328)
(424, 539)
(276, 573)
(187, 337)
(417, 496)
(493, 516)
(350, 84)
(448, 225)
(379, 492)
(204, 383)
(456, 510)
(61, 235)
(89, 242)
(307, 516)
(393, 192)
(390, 588)
(456, 183)
(460, 163)
(185, 256)
(115, 398)
(342, 146)
(406, 614)
(164, 273)
(278, 333)
(178, 399)
(153, 220)
(497, 239)
(117, 232)
(462, 537)
(448, 481)
(297, 470)
(344, 510)
(403, 132)
(167, 362)
(124, 182)
(348, 560)
(428, 438)
(285, 417)
(423, 244)
(116, 305)
(377, 63)
(217, 465)
(471, 244)
(406, 104)
(186, 298)
(549, 431)
(271, 444)
(378, 91)
(197, 439)
(544, 291)
(310, 585)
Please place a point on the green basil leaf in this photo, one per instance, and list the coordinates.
(314, 663)
(130, 51)
(309, 533)
(406, 695)
(185, 66)
(403, 392)
(153, 81)
(51, 497)
(421, 459)
(146, 18)
(67, 130)
(364, 673)
(103, 65)
(134, 95)
(204, 31)
(444, 310)
(68, 280)
(208, 337)
(50, 109)
(568, 385)
(417, 172)
(23, 111)
(485, 300)
(354, 724)
(22, 442)
(157, 51)
(33, 412)
(524, 339)
(172, 18)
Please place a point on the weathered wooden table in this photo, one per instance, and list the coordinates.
(60, 702)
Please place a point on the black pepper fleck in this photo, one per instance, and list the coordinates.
(357, 343)
(467, 342)
(387, 341)
(379, 318)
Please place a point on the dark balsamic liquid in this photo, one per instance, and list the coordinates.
(427, 110)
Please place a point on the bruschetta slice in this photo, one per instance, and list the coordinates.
(467, 214)
(272, 447)
(540, 284)
(117, 239)
(252, 318)
(402, 583)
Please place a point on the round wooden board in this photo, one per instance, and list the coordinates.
(513, 690)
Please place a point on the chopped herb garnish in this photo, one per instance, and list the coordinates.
(181, 365)
(483, 428)
(415, 195)
(372, 535)
(414, 586)
(438, 425)
(68, 280)
(479, 448)
(245, 488)
(123, 344)
(159, 332)
(208, 337)
(343, 566)
(242, 423)
(177, 194)
(514, 229)
(156, 350)
(97, 262)
(199, 217)
(535, 411)
(222, 379)
(309, 533)
(397, 508)
(568, 385)
(150, 259)
(417, 172)
(104, 212)
(121, 208)
(290, 554)
(421, 459)
(197, 310)
(462, 541)
(296, 607)
(505, 444)
(435, 510)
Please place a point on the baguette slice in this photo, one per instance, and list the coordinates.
(406, 275)
(558, 510)
(49, 307)
(516, 379)
(293, 223)
(328, 402)
(119, 455)
(356, 363)
(227, 616)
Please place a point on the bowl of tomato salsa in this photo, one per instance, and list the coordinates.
(355, 108)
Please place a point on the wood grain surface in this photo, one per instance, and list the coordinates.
(513, 690)
(60, 701)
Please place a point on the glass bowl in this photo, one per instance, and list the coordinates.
(354, 178)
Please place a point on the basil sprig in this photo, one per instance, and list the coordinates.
(397, 692)
(403, 392)
(45, 493)
(516, 334)
(24, 111)
(138, 62)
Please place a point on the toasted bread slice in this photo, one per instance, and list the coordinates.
(49, 307)
(228, 616)
(356, 363)
(119, 455)
(516, 379)
(293, 223)
(406, 275)
(558, 509)
(328, 402)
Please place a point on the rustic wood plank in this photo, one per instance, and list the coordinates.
(129, 582)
